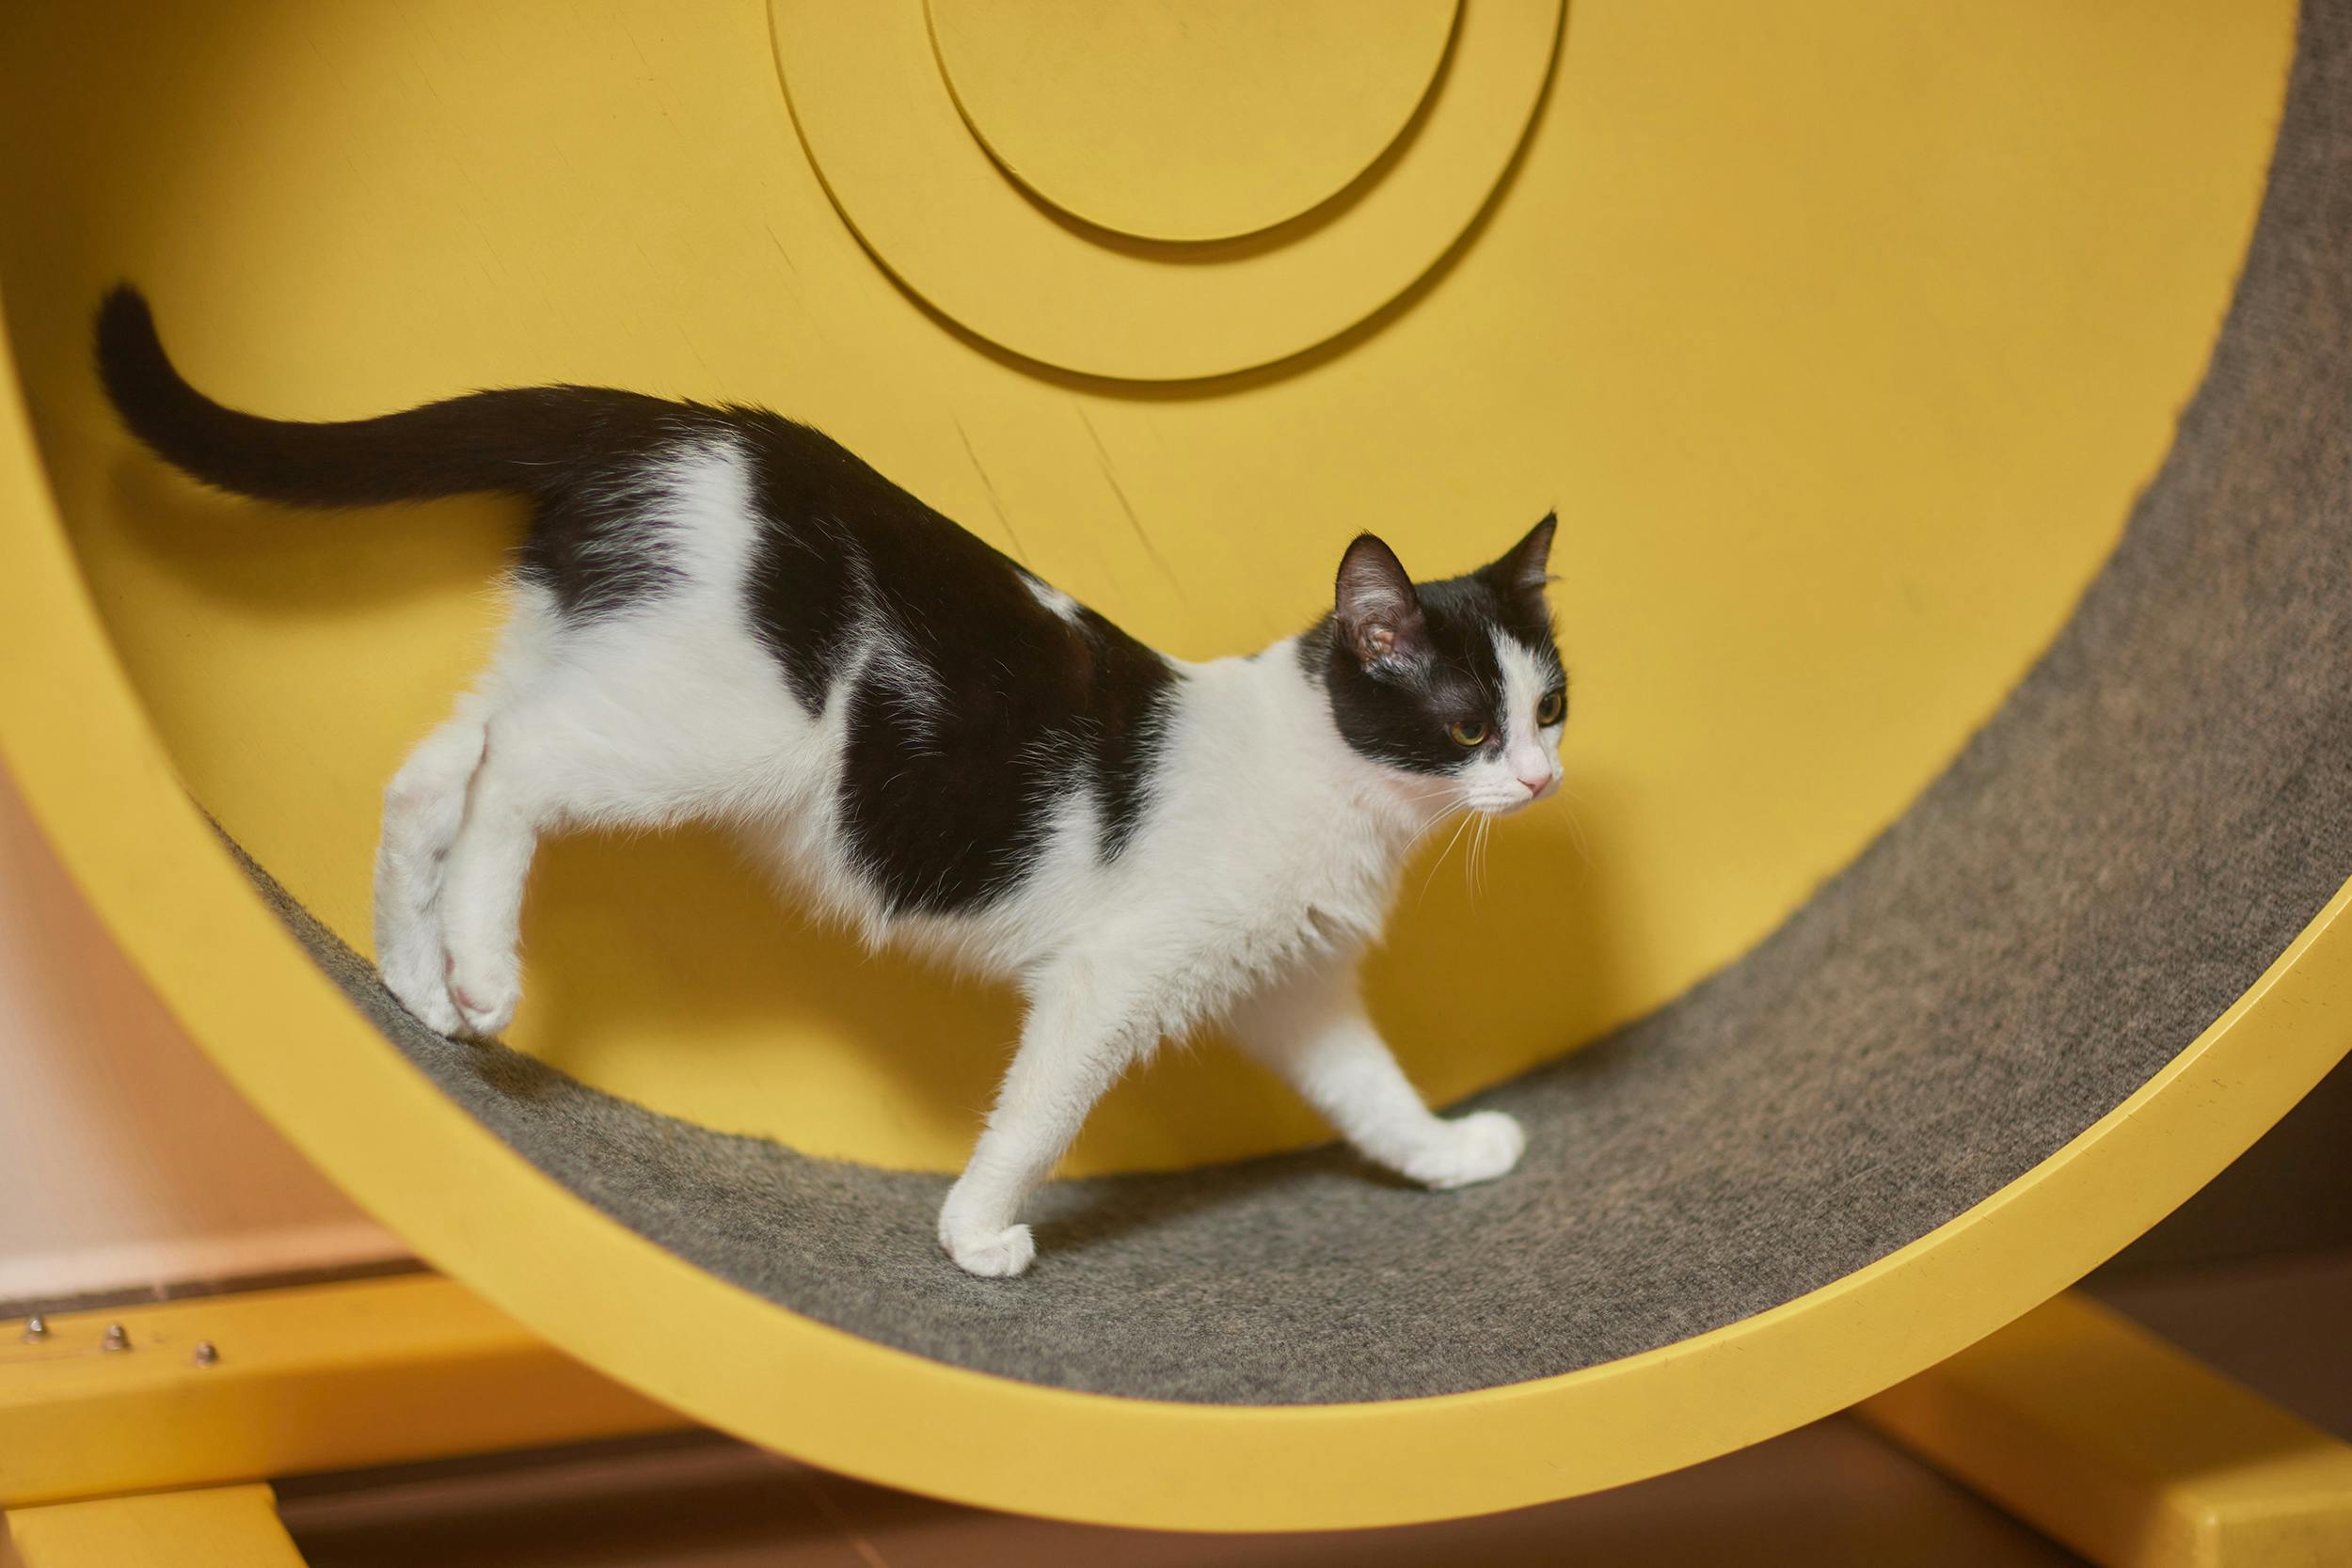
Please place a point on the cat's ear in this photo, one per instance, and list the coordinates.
(1526, 566)
(1379, 613)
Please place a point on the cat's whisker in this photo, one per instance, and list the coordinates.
(1415, 842)
(1575, 832)
(1440, 859)
(1569, 801)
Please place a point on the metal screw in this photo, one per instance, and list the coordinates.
(206, 1353)
(36, 1329)
(115, 1339)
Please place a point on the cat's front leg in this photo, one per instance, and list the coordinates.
(1080, 1034)
(1311, 1030)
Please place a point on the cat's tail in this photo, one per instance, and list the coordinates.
(526, 440)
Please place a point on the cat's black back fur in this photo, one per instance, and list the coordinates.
(945, 805)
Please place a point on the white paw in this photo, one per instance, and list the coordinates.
(1476, 1147)
(990, 1254)
(427, 999)
(484, 989)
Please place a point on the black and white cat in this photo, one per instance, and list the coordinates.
(720, 615)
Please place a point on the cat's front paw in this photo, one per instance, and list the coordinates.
(1476, 1147)
(485, 991)
(989, 1254)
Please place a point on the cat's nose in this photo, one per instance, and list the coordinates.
(1535, 782)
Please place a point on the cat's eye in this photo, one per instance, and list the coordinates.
(1553, 708)
(1467, 732)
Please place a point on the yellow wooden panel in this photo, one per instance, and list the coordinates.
(1980, 253)
(2098, 1432)
(323, 1377)
(229, 1526)
(1189, 120)
(933, 206)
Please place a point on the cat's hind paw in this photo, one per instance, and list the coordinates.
(485, 994)
(427, 1001)
(1476, 1147)
(990, 1254)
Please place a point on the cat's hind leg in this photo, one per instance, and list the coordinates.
(481, 891)
(425, 807)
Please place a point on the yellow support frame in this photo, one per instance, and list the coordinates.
(2098, 1432)
(2073, 1418)
(223, 1527)
(321, 1377)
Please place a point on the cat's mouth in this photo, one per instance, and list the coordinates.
(1518, 799)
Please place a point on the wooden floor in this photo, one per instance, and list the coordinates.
(1830, 1494)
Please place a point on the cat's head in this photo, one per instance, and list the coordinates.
(1456, 682)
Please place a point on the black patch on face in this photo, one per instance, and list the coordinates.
(945, 808)
(1398, 711)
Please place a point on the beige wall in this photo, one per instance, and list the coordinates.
(125, 1160)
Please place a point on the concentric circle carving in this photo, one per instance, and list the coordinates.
(1189, 120)
(1050, 281)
